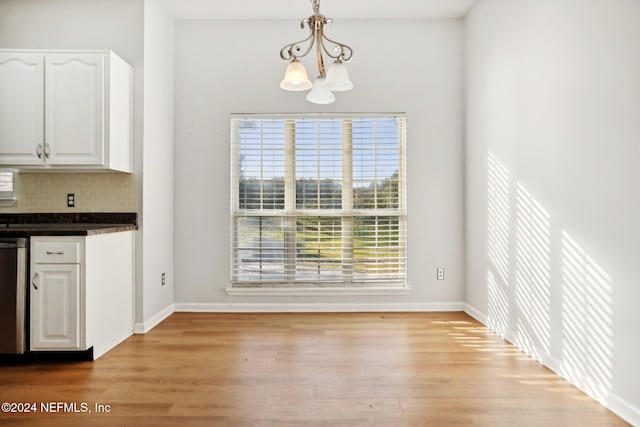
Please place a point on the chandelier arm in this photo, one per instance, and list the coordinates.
(344, 52)
(289, 52)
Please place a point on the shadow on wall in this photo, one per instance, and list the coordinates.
(546, 294)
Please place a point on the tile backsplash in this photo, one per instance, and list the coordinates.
(94, 192)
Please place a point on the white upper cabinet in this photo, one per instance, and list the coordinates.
(65, 110)
(21, 108)
(73, 135)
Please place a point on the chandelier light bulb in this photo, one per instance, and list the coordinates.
(338, 78)
(295, 78)
(319, 94)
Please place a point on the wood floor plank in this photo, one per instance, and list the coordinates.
(297, 369)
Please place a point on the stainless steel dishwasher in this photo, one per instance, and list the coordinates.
(13, 295)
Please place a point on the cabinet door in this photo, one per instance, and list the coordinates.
(74, 108)
(55, 307)
(21, 108)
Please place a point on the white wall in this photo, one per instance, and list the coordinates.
(225, 67)
(155, 239)
(553, 229)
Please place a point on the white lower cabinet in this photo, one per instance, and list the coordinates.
(81, 292)
(55, 307)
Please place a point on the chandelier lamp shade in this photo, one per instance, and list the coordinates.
(336, 79)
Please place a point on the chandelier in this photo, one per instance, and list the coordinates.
(336, 79)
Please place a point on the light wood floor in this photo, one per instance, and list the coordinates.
(416, 369)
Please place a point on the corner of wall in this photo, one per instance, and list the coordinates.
(144, 327)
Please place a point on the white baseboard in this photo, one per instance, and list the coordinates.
(316, 308)
(143, 328)
(475, 313)
(611, 401)
(623, 409)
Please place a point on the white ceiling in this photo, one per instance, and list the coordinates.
(300, 9)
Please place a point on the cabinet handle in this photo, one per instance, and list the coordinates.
(39, 151)
(55, 253)
(33, 282)
(47, 150)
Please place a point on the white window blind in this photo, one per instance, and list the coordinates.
(318, 200)
(6, 184)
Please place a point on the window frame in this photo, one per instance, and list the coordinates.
(347, 213)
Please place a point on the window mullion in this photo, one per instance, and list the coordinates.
(290, 200)
(235, 169)
(235, 197)
(319, 156)
(261, 166)
(347, 201)
(402, 173)
(375, 166)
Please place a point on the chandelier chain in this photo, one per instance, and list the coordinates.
(316, 23)
(315, 4)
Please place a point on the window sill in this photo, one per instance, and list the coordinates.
(377, 291)
(7, 202)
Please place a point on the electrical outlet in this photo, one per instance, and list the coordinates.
(440, 274)
(164, 279)
(71, 200)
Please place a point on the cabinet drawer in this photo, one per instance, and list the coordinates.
(56, 252)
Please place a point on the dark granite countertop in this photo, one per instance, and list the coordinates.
(62, 224)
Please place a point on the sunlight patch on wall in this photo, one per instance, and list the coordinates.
(529, 259)
(586, 320)
(498, 245)
(498, 242)
(498, 318)
(533, 270)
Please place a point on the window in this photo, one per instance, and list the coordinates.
(318, 201)
(6, 184)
